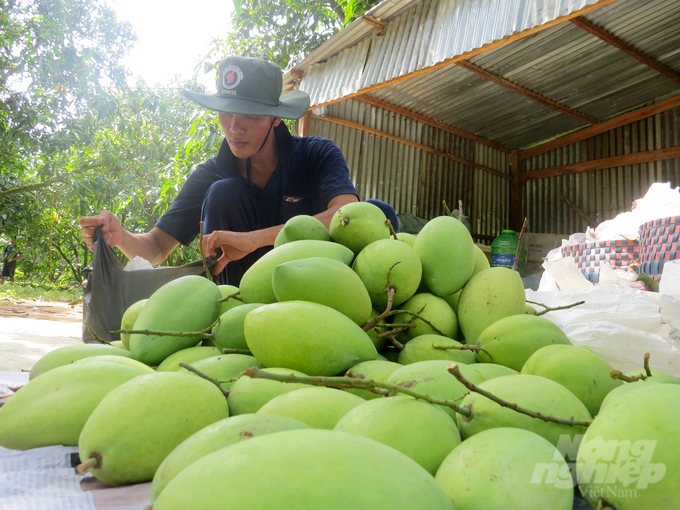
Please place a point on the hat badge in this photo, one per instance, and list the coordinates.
(231, 77)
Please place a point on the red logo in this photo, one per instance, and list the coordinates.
(231, 77)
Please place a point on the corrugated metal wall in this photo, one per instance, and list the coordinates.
(602, 194)
(415, 181)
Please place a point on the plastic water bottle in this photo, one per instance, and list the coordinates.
(503, 249)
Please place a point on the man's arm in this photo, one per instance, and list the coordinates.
(154, 246)
(236, 245)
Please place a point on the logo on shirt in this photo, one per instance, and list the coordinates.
(292, 200)
(231, 77)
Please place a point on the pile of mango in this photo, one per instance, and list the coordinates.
(355, 368)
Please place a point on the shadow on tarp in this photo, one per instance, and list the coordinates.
(110, 290)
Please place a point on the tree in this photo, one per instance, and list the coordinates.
(58, 59)
(284, 32)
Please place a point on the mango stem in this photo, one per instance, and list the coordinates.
(390, 296)
(234, 295)
(616, 374)
(352, 382)
(204, 333)
(475, 348)
(229, 350)
(391, 227)
(224, 391)
(395, 342)
(446, 208)
(455, 371)
(648, 370)
(90, 463)
(96, 336)
(552, 309)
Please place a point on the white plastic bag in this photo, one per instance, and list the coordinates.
(618, 323)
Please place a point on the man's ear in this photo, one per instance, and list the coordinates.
(277, 121)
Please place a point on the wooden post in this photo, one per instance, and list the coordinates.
(515, 191)
(305, 123)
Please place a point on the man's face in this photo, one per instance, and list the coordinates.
(14, 243)
(245, 133)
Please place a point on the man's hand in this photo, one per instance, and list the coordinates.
(112, 230)
(234, 246)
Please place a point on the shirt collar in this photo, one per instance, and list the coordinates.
(285, 143)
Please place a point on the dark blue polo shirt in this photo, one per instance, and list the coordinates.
(311, 172)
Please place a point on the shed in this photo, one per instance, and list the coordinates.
(560, 111)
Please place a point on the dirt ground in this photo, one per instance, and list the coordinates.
(43, 310)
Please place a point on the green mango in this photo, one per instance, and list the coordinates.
(140, 422)
(326, 282)
(247, 395)
(435, 310)
(121, 360)
(229, 332)
(453, 299)
(530, 392)
(390, 353)
(432, 378)
(226, 290)
(304, 469)
(187, 304)
(119, 344)
(498, 466)
(622, 391)
(214, 437)
(481, 261)
(512, 340)
(490, 370)
(421, 349)
(128, 320)
(358, 224)
(630, 454)
(70, 353)
(374, 370)
(407, 238)
(225, 367)
(447, 253)
(308, 337)
(188, 355)
(489, 296)
(576, 368)
(529, 310)
(256, 284)
(52, 409)
(317, 407)
(389, 260)
(300, 228)
(419, 430)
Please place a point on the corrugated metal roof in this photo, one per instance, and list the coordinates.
(429, 32)
(563, 63)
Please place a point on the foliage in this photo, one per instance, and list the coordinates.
(284, 32)
(76, 138)
(39, 289)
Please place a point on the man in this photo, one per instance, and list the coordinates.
(10, 256)
(261, 177)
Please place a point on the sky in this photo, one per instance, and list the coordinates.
(172, 35)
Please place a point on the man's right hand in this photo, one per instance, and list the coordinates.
(112, 230)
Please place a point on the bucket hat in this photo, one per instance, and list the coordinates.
(252, 86)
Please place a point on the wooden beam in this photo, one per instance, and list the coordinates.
(598, 164)
(526, 92)
(296, 73)
(375, 22)
(589, 219)
(304, 124)
(515, 191)
(477, 51)
(607, 125)
(431, 122)
(611, 39)
(417, 145)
